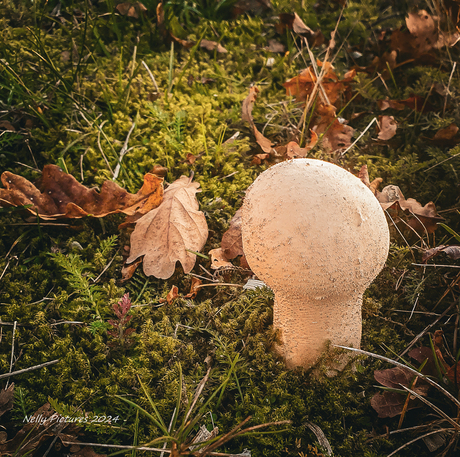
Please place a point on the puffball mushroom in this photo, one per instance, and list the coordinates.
(318, 237)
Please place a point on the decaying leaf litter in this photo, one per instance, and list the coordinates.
(327, 111)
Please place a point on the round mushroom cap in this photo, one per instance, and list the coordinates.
(310, 227)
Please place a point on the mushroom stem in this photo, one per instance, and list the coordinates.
(307, 326)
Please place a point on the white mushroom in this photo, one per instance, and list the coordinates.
(318, 237)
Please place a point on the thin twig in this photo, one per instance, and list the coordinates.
(217, 284)
(12, 352)
(26, 370)
(119, 446)
(426, 330)
(434, 265)
(100, 147)
(151, 76)
(360, 136)
(123, 151)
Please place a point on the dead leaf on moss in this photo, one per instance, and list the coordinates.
(6, 399)
(246, 115)
(294, 151)
(60, 195)
(387, 127)
(194, 288)
(294, 22)
(447, 136)
(232, 241)
(164, 234)
(391, 404)
(425, 217)
(128, 270)
(172, 294)
(131, 9)
(301, 86)
(259, 158)
(212, 46)
(452, 252)
(335, 134)
(218, 259)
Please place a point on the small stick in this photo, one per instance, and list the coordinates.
(360, 136)
(25, 370)
(151, 76)
(100, 147)
(12, 352)
(123, 151)
(217, 284)
(448, 87)
(119, 446)
(434, 265)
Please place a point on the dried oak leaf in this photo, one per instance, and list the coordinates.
(448, 136)
(6, 399)
(232, 241)
(164, 234)
(387, 127)
(425, 217)
(60, 195)
(246, 115)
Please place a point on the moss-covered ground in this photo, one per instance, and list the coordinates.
(72, 84)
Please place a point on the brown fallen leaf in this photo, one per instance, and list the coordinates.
(194, 288)
(425, 217)
(131, 9)
(447, 136)
(7, 125)
(232, 241)
(295, 23)
(6, 399)
(60, 195)
(452, 252)
(259, 158)
(294, 151)
(391, 404)
(246, 115)
(128, 270)
(335, 134)
(172, 294)
(387, 127)
(302, 86)
(218, 259)
(212, 46)
(164, 235)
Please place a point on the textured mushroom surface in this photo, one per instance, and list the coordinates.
(318, 237)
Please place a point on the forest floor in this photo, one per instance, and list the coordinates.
(126, 98)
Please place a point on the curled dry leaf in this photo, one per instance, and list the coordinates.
(164, 234)
(232, 241)
(246, 115)
(391, 404)
(194, 288)
(387, 127)
(294, 151)
(213, 46)
(425, 217)
(60, 195)
(295, 23)
(172, 294)
(218, 259)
